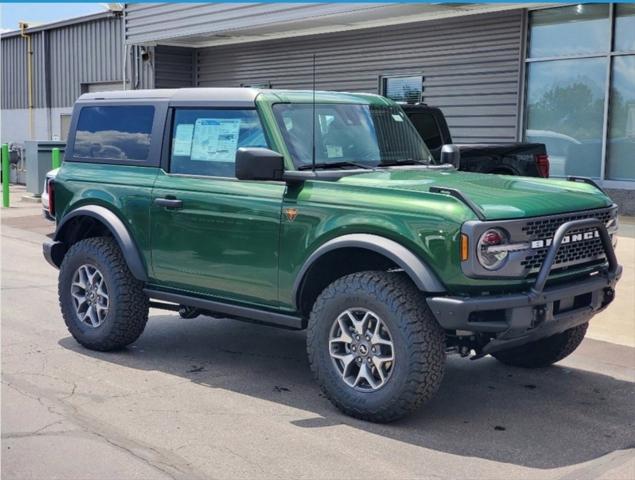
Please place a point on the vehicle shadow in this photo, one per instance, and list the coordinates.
(544, 418)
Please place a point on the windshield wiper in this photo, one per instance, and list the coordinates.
(326, 165)
(402, 162)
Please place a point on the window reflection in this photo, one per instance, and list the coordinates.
(572, 30)
(565, 110)
(114, 132)
(621, 141)
(624, 27)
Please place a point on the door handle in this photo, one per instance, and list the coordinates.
(168, 203)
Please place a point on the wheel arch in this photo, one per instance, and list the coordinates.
(383, 252)
(70, 231)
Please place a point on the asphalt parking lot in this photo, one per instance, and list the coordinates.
(220, 399)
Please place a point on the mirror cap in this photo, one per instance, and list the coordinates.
(451, 154)
(256, 163)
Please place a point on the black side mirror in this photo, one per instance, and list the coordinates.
(451, 154)
(254, 163)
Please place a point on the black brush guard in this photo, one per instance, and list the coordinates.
(519, 318)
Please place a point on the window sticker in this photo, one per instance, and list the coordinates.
(182, 143)
(334, 151)
(215, 139)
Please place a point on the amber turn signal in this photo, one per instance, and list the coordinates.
(465, 243)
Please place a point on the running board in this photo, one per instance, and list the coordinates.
(229, 310)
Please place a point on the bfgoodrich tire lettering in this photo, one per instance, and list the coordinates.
(418, 345)
(127, 304)
(544, 352)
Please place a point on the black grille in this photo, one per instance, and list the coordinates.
(585, 252)
(546, 227)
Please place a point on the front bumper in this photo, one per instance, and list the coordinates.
(516, 319)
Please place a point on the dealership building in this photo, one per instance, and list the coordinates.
(561, 75)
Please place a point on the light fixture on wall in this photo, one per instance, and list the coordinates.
(145, 53)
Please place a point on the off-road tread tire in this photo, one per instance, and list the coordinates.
(129, 305)
(544, 352)
(424, 343)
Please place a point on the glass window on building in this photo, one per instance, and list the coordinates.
(565, 111)
(573, 52)
(624, 27)
(403, 89)
(620, 163)
(574, 30)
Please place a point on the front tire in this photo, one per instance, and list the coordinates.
(103, 305)
(544, 352)
(374, 347)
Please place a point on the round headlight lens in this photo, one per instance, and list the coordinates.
(488, 255)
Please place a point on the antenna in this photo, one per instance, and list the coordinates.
(313, 140)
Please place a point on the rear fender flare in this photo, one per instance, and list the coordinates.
(118, 230)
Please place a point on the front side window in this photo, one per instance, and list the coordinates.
(204, 141)
(364, 134)
(114, 132)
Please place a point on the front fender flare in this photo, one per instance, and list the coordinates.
(119, 231)
(422, 276)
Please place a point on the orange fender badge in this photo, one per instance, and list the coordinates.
(291, 213)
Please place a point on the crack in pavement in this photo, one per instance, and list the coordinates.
(165, 461)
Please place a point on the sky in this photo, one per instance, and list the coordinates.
(12, 13)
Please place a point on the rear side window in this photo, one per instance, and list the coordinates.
(114, 132)
(204, 141)
(428, 128)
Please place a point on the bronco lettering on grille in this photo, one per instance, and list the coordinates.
(577, 237)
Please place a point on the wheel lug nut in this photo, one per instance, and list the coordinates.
(354, 348)
(373, 349)
(367, 338)
(369, 360)
(359, 360)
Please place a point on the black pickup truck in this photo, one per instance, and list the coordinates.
(526, 159)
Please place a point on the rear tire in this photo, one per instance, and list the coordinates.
(103, 305)
(544, 352)
(391, 301)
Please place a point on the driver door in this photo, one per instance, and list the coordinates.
(212, 233)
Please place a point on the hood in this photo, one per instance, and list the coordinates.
(499, 196)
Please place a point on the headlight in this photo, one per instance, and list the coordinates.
(488, 250)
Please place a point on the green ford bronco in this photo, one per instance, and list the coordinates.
(321, 211)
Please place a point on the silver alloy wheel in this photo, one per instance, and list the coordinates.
(90, 295)
(361, 348)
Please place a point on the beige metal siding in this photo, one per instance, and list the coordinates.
(470, 64)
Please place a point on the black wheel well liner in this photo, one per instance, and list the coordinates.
(95, 220)
(352, 253)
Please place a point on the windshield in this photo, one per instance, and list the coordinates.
(365, 135)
